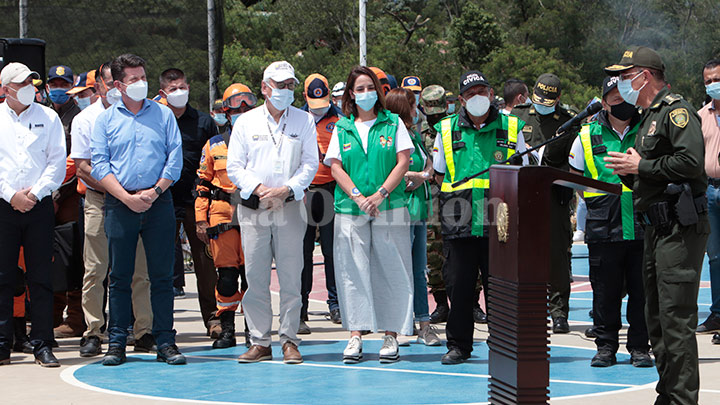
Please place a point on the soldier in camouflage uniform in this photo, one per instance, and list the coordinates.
(434, 103)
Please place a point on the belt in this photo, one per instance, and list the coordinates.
(95, 191)
(714, 182)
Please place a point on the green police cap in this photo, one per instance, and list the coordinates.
(640, 56)
(432, 99)
(547, 89)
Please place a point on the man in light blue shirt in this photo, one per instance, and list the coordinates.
(136, 152)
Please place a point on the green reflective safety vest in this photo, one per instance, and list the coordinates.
(419, 200)
(468, 151)
(368, 170)
(597, 140)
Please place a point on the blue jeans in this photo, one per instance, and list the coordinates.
(418, 246)
(581, 214)
(157, 228)
(713, 246)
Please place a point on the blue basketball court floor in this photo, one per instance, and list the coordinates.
(214, 376)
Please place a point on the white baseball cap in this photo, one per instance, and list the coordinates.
(279, 72)
(16, 73)
(338, 89)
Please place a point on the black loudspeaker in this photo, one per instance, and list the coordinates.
(29, 51)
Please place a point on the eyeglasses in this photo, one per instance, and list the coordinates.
(283, 85)
(630, 75)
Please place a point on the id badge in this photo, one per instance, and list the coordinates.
(278, 167)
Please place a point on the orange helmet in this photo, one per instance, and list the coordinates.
(382, 77)
(236, 94)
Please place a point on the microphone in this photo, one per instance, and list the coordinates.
(592, 109)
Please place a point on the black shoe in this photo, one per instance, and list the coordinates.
(591, 314)
(115, 356)
(54, 343)
(145, 344)
(171, 355)
(716, 339)
(4, 359)
(639, 358)
(46, 358)
(479, 315)
(711, 324)
(90, 346)
(560, 325)
(590, 332)
(227, 332)
(440, 314)
(178, 292)
(603, 358)
(335, 316)
(454, 356)
(23, 347)
(303, 329)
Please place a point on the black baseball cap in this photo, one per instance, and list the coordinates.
(609, 83)
(640, 56)
(61, 72)
(472, 78)
(546, 90)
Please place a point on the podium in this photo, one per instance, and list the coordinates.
(519, 273)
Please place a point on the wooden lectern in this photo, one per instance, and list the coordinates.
(519, 273)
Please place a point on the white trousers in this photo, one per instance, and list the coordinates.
(373, 271)
(266, 235)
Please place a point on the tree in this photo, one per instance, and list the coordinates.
(475, 34)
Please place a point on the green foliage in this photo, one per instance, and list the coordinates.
(475, 34)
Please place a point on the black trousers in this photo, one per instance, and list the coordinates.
(466, 257)
(615, 266)
(34, 232)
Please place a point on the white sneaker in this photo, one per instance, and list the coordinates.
(353, 351)
(428, 336)
(389, 350)
(579, 236)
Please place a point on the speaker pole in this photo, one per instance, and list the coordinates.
(23, 15)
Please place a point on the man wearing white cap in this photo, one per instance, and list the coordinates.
(337, 92)
(32, 166)
(272, 158)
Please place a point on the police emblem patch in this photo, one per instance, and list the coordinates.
(679, 117)
(498, 155)
(60, 70)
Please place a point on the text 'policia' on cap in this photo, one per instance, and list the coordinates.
(640, 56)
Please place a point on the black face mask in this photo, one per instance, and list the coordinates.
(623, 111)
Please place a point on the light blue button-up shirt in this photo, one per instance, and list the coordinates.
(138, 149)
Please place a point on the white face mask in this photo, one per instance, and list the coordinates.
(138, 90)
(178, 98)
(83, 102)
(282, 98)
(26, 95)
(113, 96)
(319, 112)
(477, 105)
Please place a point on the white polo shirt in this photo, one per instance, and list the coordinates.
(81, 129)
(32, 151)
(274, 154)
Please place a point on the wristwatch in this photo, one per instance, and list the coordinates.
(383, 192)
(291, 194)
(355, 192)
(158, 190)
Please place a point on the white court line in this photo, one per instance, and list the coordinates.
(624, 300)
(711, 391)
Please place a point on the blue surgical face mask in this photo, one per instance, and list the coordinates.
(543, 109)
(366, 100)
(282, 98)
(416, 118)
(234, 118)
(339, 104)
(220, 119)
(451, 108)
(417, 98)
(713, 90)
(83, 102)
(626, 90)
(58, 96)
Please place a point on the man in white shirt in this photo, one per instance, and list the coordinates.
(32, 166)
(272, 158)
(95, 248)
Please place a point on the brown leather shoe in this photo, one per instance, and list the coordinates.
(291, 354)
(256, 353)
(65, 330)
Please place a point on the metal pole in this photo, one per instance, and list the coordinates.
(363, 41)
(23, 15)
(212, 53)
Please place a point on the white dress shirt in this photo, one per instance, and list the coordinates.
(262, 151)
(81, 129)
(32, 151)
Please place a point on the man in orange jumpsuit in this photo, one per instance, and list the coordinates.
(215, 216)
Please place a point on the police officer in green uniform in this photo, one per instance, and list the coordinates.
(468, 142)
(613, 234)
(434, 103)
(666, 173)
(543, 118)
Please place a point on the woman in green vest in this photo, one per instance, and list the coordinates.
(402, 102)
(369, 153)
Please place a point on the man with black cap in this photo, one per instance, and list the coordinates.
(59, 81)
(613, 233)
(478, 129)
(320, 199)
(543, 117)
(666, 171)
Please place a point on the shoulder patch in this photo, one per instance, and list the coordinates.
(679, 117)
(671, 98)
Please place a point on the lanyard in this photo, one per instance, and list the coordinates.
(282, 133)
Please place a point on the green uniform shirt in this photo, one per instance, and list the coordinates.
(670, 141)
(419, 200)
